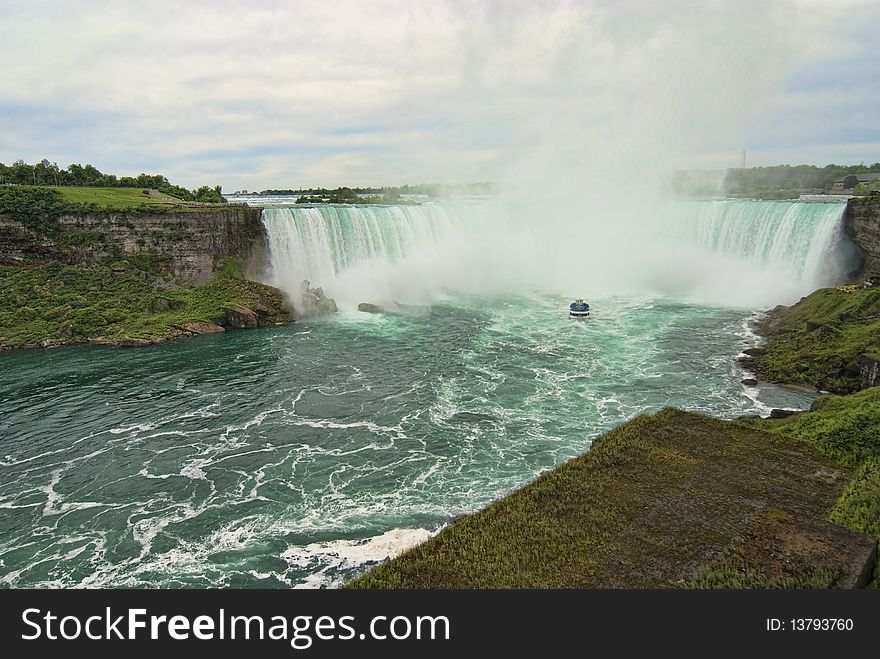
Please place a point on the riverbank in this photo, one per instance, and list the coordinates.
(668, 500)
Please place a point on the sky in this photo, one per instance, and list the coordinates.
(256, 95)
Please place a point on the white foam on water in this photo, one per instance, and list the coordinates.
(347, 554)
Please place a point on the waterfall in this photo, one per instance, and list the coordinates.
(338, 246)
(728, 252)
(804, 239)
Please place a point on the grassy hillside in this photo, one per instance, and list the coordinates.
(669, 500)
(818, 341)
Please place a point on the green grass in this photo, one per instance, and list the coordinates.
(111, 198)
(117, 300)
(819, 340)
(669, 500)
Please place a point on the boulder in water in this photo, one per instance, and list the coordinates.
(368, 307)
(238, 318)
(750, 382)
(313, 301)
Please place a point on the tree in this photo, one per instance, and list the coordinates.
(850, 182)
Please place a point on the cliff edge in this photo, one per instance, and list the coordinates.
(671, 500)
(861, 221)
(132, 277)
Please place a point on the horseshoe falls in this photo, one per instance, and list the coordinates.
(295, 456)
(737, 253)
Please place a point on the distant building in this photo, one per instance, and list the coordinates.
(866, 177)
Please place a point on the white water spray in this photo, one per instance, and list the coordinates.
(732, 253)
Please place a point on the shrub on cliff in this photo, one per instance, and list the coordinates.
(35, 208)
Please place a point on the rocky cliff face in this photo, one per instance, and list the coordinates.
(869, 371)
(192, 239)
(862, 225)
(134, 278)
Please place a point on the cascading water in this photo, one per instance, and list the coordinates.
(734, 253)
(799, 243)
(349, 249)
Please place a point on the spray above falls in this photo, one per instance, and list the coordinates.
(727, 253)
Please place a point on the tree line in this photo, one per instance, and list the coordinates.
(774, 181)
(88, 176)
(430, 189)
(797, 177)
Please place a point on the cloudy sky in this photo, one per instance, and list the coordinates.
(301, 93)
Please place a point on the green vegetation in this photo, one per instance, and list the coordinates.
(669, 500)
(349, 196)
(819, 340)
(38, 208)
(35, 208)
(45, 173)
(125, 298)
(337, 196)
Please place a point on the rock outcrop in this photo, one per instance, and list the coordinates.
(861, 223)
(869, 371)
(368, 307)
(140, 277)
(313, 302)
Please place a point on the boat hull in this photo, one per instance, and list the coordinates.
(579, 314)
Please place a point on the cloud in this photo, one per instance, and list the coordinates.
(278, 94)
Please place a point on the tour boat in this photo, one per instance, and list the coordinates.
(579, 309)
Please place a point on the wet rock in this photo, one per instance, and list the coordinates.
(368, 307)
(782, 414)
(869, 371)
(754, 352)
(202, 328)
(313, 301)
(238, 318)
(749, 382)
(65, 330)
